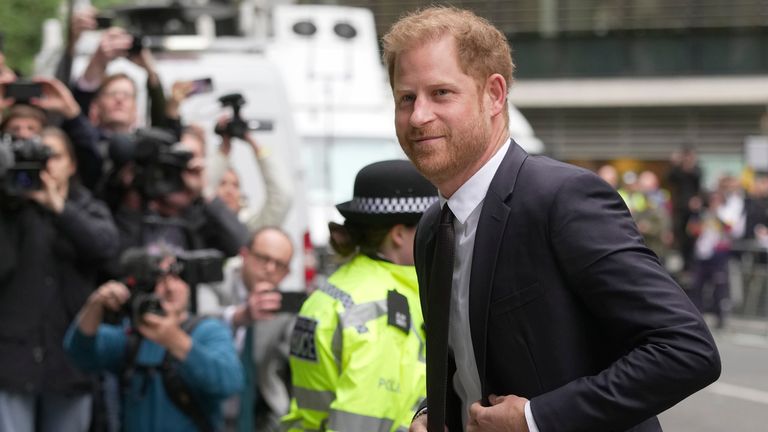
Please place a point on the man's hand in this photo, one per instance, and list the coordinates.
(145, 60)
(506, 414)
(57, 98)
(83, 19)
(111, 295)
(165, 330)
(7, 74)
(419, 424)
(115, 42)
(179, 91)
(5, 79)
(50, 197)
(263, 301)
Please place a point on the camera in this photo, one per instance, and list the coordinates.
(159, 161)
(139, 42)
(22, 91)
(20, 164)
(141, 269)
(237, 127)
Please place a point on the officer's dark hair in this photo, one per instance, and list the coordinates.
(352, 238)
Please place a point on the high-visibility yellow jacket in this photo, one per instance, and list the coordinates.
(358, 351)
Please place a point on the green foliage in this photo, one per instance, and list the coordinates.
(21, 23)
(101, 4)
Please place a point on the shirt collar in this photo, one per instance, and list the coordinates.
(473, 191)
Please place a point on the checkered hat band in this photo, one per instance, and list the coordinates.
(391, 205)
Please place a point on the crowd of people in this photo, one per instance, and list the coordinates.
(84, 192)
(482, 288)
(712, 237)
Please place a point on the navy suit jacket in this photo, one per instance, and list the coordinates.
(569, 308)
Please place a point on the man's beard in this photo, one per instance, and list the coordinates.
(459, 149)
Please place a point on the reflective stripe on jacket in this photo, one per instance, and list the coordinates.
(358, 351)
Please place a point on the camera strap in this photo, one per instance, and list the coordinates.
(177, 390)
(175, 387)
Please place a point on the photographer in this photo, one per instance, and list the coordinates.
(278, 188)
(53, 238)
(26, 119)
(249, 301)
(224, 182)
(203, 359)
(96, 91)
(162, 198)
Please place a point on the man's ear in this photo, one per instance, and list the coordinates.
(496, 92)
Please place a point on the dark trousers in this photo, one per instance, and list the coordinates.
(711, 273)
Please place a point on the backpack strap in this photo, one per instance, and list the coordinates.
(177, 390)
(133, 342)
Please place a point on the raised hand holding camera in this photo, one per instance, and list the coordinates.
(56, 97)
(165, 330)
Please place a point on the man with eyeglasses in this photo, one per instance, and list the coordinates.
(248, 300)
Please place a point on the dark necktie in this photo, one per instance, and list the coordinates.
(438, 312)
(245, 420)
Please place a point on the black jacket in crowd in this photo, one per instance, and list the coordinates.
(204, 225)
(48, 267)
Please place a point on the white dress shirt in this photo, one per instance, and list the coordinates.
(466, 204)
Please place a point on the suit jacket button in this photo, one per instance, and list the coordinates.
(38, 353)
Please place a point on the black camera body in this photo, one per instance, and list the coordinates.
(138, 43)
(159, 163)
(20, 164)
(22, 91)
(141, 270)
(236, 127)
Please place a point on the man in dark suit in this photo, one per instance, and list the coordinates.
(559, 318)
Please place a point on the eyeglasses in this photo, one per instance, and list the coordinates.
(119, 94)
(266, 260)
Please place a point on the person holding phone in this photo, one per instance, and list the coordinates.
(50, 96)
(248, 299)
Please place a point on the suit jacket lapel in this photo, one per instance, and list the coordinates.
(424, 251)
(488, 240)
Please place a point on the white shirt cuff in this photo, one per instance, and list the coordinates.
(529, 418)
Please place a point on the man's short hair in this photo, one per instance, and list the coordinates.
(115, 77)
(255, 235)
(24, 111)
(482, 49)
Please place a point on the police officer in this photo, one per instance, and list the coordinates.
(358, 347)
